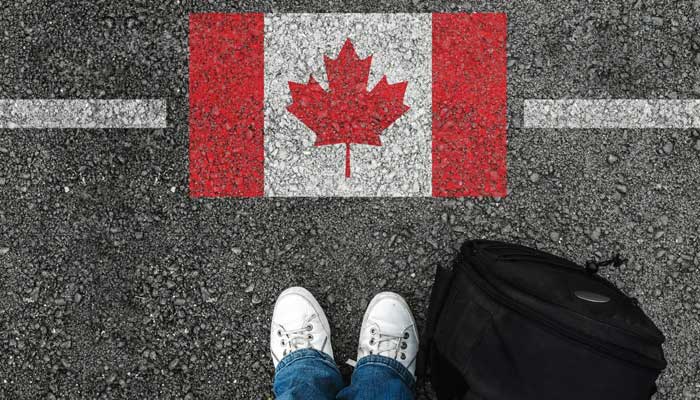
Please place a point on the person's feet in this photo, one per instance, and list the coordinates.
(298, 322)
(388, 329)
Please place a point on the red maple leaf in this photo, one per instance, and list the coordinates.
(347, 112)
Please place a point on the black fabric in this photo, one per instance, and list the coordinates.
(509, 322)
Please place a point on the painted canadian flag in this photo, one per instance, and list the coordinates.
(385, 105)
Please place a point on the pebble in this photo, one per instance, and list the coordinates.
(34, 294)
(237, 251)
(460, 229)
(668, 148)
(205, 294)
(697, 145)
(621, 188)
(250, 288)
(612, 159)
(256, 299)
(363, 303)
(554, 236)
(5, 250)
(179, 302)
(174, 363)
(534, 177)
(595, 235)
(668, 61)
(77, 298)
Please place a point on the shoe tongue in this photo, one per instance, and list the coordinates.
(388, 347)
(294, 323)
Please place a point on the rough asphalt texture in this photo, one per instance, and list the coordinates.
(115, 284)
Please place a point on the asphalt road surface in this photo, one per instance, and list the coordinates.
(115, 284)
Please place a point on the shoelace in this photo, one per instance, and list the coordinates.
(296, 338)
(384, 338)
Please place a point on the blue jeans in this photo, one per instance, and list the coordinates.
(312, 375)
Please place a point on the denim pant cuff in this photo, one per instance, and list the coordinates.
(300, 354)
(386, 362)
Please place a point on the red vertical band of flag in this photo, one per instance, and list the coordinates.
(469, 105)
(226, 85)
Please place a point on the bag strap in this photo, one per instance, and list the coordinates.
(439, 291)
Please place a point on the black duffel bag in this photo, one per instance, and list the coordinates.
(511, 322)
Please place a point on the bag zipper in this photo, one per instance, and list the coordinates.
(522, 253)
(570, 265)
(583, 270)
(568, 333)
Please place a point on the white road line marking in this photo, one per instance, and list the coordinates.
(85, 113)
(614, 113)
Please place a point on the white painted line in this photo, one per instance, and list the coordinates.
(615, 113)
(95, 114)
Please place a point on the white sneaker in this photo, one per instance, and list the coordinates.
(388, 329)
(298, 322)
